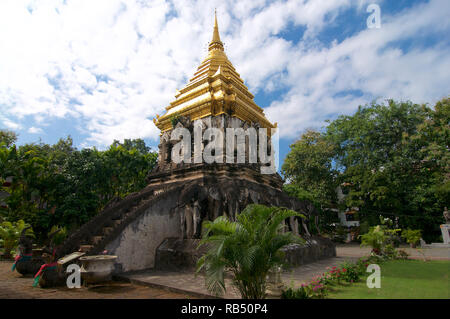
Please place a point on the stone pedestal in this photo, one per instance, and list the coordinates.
(445, 229)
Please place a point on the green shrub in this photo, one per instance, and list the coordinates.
(375, 238)
(364, 227)
(401, 254)
(319, 286)
(300, 293)
(60, 236)
(349, 272)
(361, 265)
(10, 234)
(389, 252)
(412, 236)
(317, 290)
(380, 238)
(340, 234)
(327, 279)
(174, 119)
(314, 290)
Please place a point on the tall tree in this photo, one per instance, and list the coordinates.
(7, 137)
(394, 156)
(308, 168)
(60, 185)
(382, 151)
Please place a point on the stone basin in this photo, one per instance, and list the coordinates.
(97, 268)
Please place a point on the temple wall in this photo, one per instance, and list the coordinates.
(136, 246)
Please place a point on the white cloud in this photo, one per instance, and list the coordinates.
(114, 64)
(9, 124)
(370, 64)
(35, 130)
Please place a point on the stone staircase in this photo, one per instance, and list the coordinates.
(92, 237)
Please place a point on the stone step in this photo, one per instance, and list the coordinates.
(109, 223)
(107, 230)
(85, 248)
(96, 239)
(131, 208)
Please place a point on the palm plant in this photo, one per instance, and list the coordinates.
(249, 248)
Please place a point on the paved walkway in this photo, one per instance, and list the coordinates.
(194, 285)
(170, 285)
(354, 250)
(15, 286)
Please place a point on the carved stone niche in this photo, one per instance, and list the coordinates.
(164, 149)
(191, 221)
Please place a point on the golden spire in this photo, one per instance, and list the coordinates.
(215, 42)
(216, 88)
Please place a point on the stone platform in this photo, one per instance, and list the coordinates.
(194, 285)
(176, 254)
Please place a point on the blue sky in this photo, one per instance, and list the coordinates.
(101, 70)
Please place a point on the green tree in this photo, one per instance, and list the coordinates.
(308, 168)
(249, 248)
(432, 192)
(7, 137)
(60, 185)
(393, 156)
(396, 158)
(137, 144)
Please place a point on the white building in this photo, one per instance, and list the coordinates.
(347, 217)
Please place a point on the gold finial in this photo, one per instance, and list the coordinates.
(216, 36)
(215, 42)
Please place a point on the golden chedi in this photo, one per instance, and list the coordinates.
(216, 88)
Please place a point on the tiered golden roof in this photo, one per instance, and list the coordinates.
(215, 89)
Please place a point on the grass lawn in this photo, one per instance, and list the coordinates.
(402, 279)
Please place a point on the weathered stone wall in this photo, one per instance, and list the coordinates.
(314, 249)
(182, 254)
(178, 213)
(179, 254)
(136, 245)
